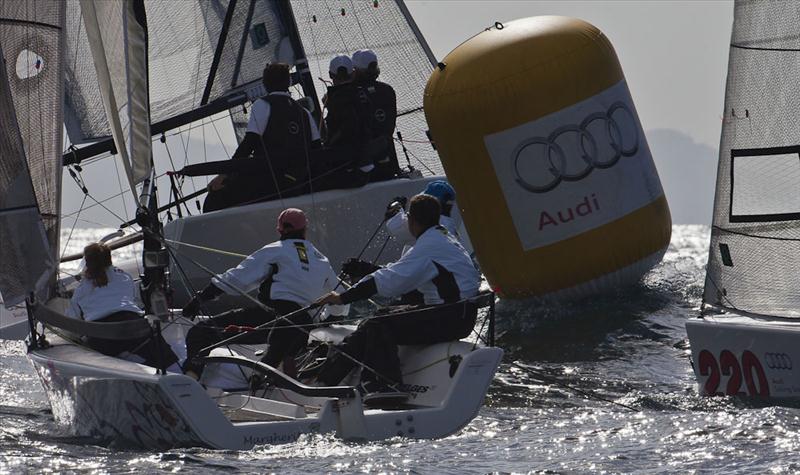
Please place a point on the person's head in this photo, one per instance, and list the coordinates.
(442, 191)
(341, 69)
(276, 77)
(292, 224)
(97, 257)
(423, 214)
(365, 62)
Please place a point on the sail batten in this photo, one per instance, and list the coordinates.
(755, 237)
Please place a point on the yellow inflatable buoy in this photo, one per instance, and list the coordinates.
(538, 134)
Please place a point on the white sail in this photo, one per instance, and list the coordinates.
(117, 33)
(755, 240)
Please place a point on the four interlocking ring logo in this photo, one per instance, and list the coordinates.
(778, 361)
(541, 163)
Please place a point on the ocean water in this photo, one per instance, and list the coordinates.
(603, 385)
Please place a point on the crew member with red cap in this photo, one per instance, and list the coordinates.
(291, 273)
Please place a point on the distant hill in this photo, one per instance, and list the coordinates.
(688, 171)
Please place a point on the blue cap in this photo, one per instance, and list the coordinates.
(442, 191)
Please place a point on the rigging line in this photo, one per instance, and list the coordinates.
(69, 238)
(222, 142)
(358, 22)
(104, 200)
(313, 42)
(206, 248)
(421, 162)
(280, 318)
(338, 31)
(584, 392)
(199, 54)
(205, 148)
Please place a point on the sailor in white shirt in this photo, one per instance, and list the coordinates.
(107, 294)
(440, 269)
(397, 222)
(290, 274)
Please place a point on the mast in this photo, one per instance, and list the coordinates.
(300, 61)
(421, 39)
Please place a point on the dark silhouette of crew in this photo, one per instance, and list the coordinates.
(377, 106)
(278, 141)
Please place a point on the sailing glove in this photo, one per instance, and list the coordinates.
(193, 307)
(398, 203)
(356, 269)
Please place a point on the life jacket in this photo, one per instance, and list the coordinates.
(287, 136)
(378, 112)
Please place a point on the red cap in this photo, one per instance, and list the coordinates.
(291, 219)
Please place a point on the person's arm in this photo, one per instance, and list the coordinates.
(315, 137)
(249, 273)
(74, 309)
(249, 145)
(405, 275)
(397, 227)
(329, 286)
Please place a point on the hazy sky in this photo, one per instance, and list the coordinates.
(674, 53)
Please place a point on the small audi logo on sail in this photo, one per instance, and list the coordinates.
(778, 361)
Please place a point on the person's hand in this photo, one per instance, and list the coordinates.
(331, 298)
(356, 269)
(397, 203)
(217, 183)
(192, 308)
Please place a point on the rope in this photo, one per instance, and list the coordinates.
(279, 318)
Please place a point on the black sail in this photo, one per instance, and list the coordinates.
(25, 259)
(32, 43)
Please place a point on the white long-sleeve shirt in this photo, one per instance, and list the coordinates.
(299, 272)
(437, 265)
(94, 303)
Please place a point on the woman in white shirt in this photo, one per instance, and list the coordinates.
(107, 294)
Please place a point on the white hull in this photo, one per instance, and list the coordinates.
(734, 354)
(116, 400)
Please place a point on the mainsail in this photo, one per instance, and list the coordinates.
(117, 33)
(331, 27)
(754, 258)
(25, 260)
(198, 51)
(30, 154)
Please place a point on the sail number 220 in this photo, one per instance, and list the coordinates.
(750, 370)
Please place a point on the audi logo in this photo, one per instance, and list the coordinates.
(599, 141)
(778, 361)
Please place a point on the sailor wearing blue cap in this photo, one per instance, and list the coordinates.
(397, 222)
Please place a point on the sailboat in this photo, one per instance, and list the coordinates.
(745, 341)
(115, 73)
